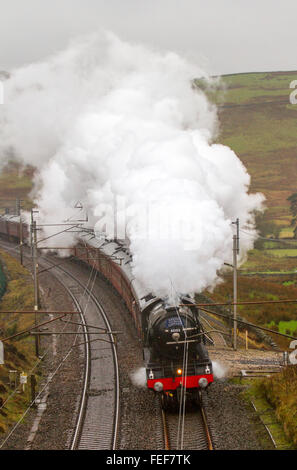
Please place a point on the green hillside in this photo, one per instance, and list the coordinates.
(259, 124)
(15, 182)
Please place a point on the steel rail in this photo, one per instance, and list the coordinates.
(203, 439)
(165, 430)
(116, 366)
(206, 429)
(83, 400)
(85, 387)
(265, 426)
(222, 339)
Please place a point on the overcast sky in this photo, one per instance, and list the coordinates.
(224, 36)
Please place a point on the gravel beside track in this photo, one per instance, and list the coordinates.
(233, 424)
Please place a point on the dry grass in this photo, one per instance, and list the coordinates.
(19, 354)
(281, 392)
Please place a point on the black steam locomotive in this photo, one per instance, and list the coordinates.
(175, 354)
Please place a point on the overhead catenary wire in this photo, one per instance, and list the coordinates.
(45, 354)
(86, 290)
(38, 395)
(182, 404)
(248, 323)
(49, 380)
(32, 370)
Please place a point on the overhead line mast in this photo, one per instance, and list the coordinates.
(235, 254)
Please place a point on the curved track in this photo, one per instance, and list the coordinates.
(97, 420)
(98, 416)
(211, 323)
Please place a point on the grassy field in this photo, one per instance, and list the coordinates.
(19, 353)
(15, 182)
(285, 253)
(259, 124)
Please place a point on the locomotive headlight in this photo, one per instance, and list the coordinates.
(158, 386)
(179, 371)
(203, 382)
(175, 336)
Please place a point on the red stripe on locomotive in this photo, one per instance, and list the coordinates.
(172, 383)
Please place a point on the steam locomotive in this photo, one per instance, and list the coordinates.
(174, 351)
(175, 354)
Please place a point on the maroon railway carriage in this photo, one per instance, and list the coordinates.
(10, 228)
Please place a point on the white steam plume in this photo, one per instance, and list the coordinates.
(219, 370)
(105, 119)
(138, 377)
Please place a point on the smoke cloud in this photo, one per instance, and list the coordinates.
(219, 370)
(138, 377)
(108, 122)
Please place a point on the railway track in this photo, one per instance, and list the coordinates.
(192, 434)
(188, 429)
(98, 417)
(97, 421)
(211, 323)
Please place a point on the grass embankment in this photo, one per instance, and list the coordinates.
(254, 392)
(19, 353)
(279, 392)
